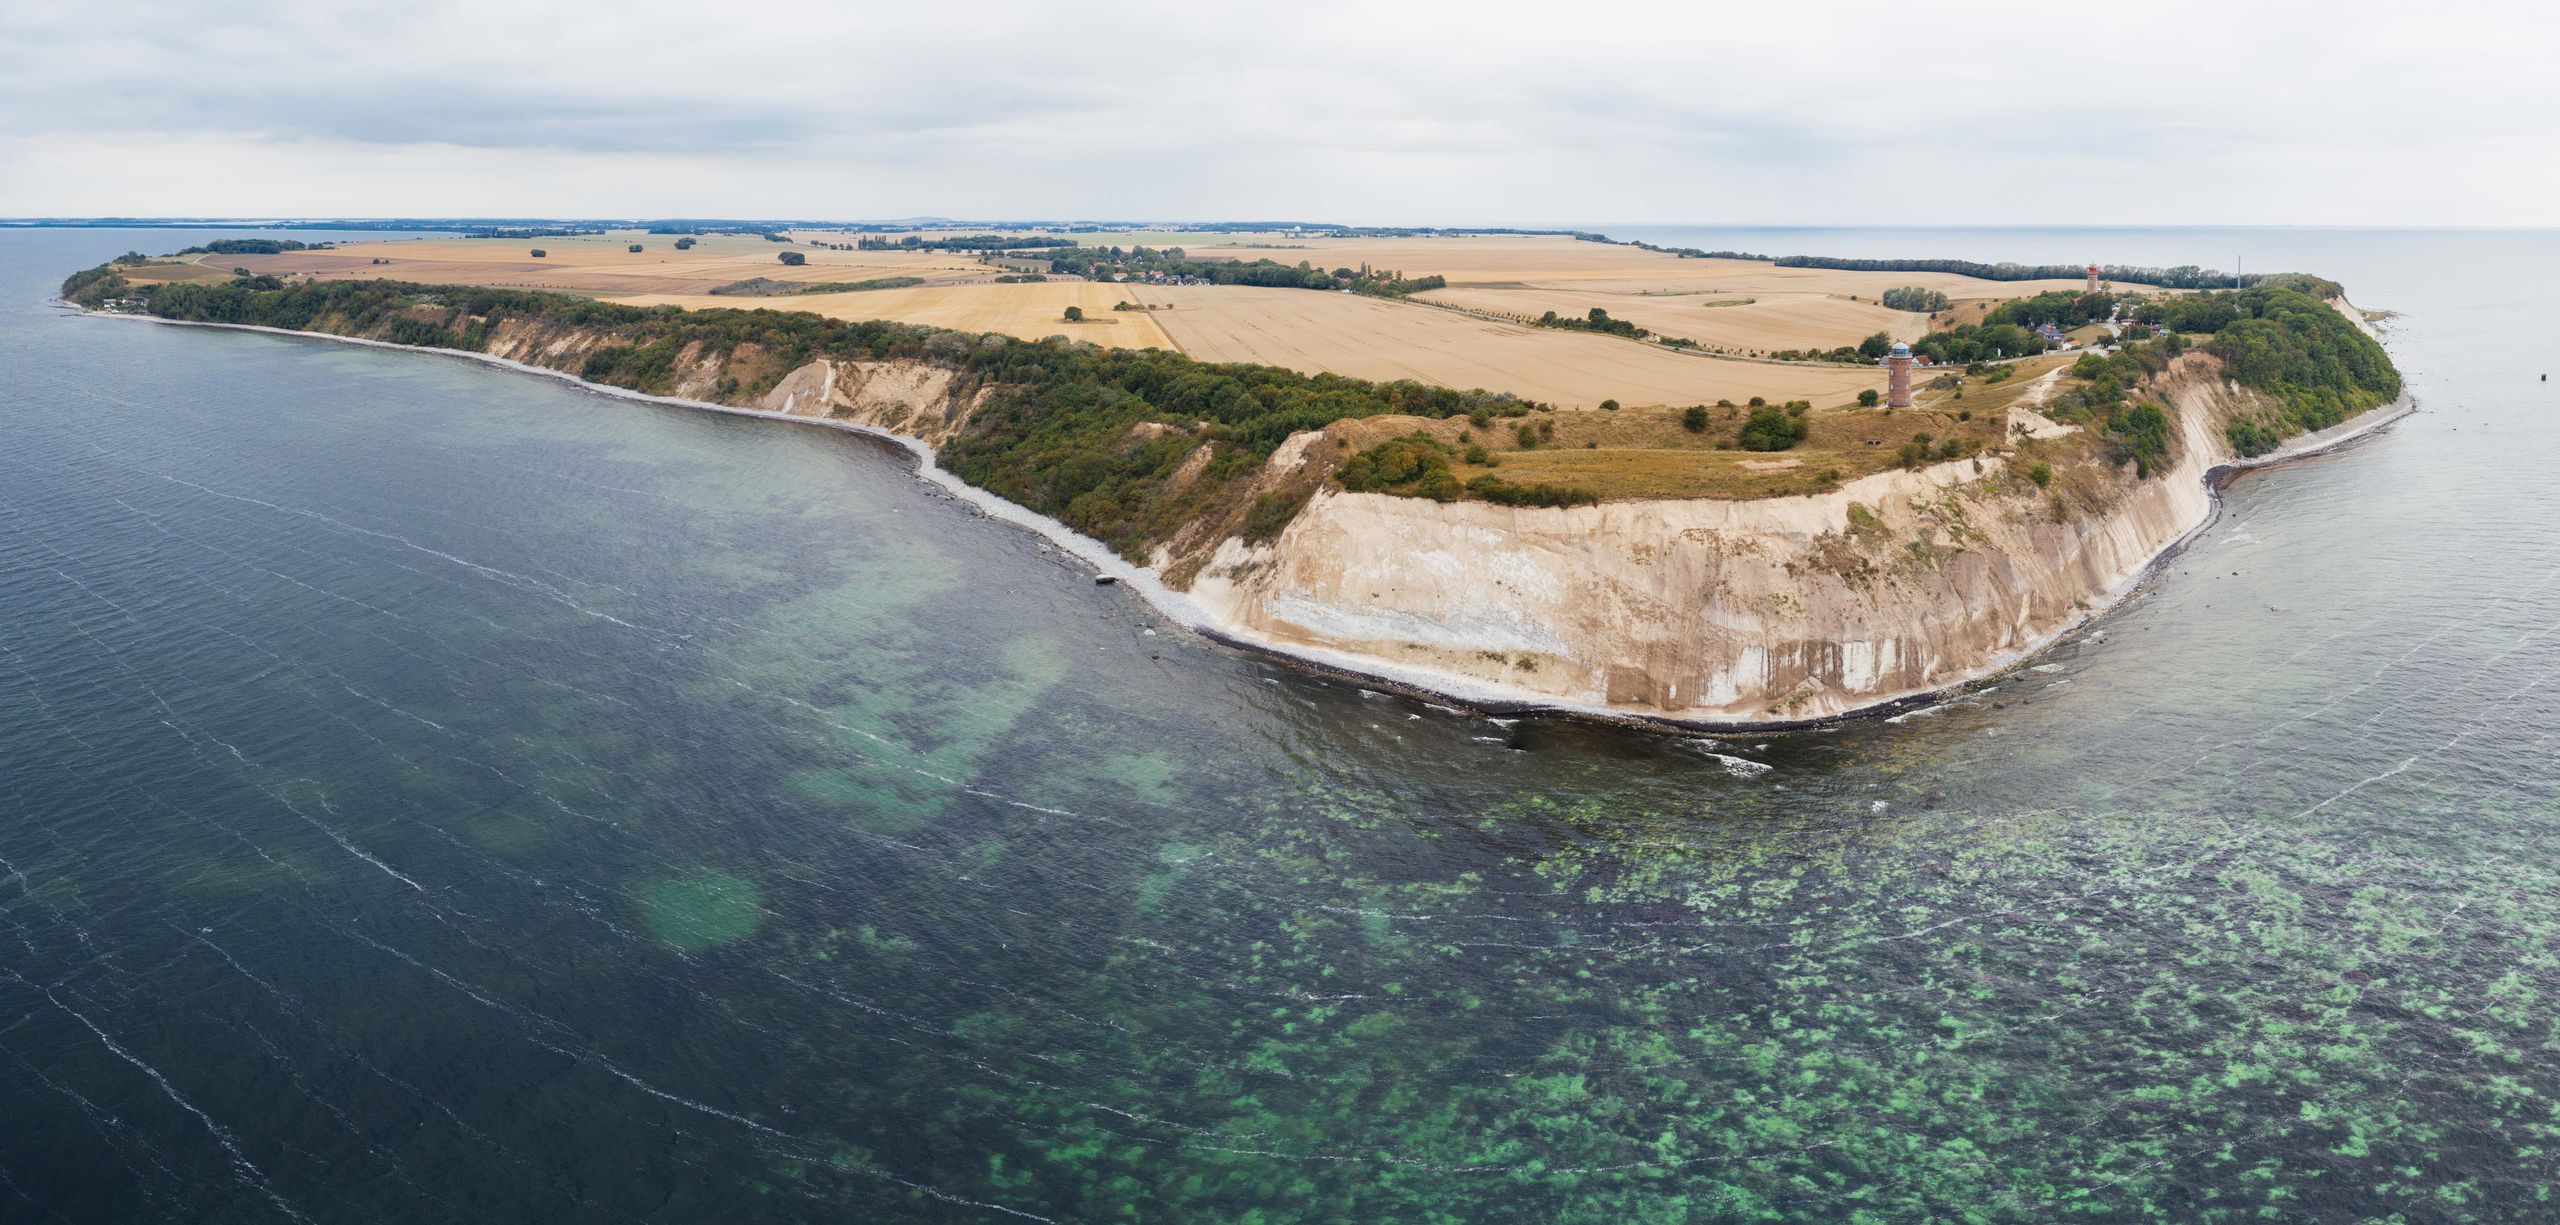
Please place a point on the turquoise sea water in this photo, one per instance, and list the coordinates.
(429, 793)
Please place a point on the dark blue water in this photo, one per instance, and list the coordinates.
(429, 793)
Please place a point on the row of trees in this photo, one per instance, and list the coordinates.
(2183, 276)
(1100, 263)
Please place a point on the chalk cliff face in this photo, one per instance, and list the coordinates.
(1773, 610)
(1768, 611)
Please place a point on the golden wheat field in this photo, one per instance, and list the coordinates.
(1028, 311)
(1756, 323)
(1519, 276)
(1374, 339)
(604, 264)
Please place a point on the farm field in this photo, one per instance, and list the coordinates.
(1752, 323)
(602, 264)
(1029, 311)
(1515, 275)
(1374, 339)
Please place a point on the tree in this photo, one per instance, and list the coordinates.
(538, 253)
(1868, 398)
(791, 259)
(1075, 314)
(1610, 405)
(684, 244)
(1875, 346)
(635, 248)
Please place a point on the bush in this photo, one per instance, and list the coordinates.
(1528, 436)
(1272, 512)
(539, 253)
(791, 259)
(1075, 314)
(1868, 398)
(1609, 405)
(1494, 489)
(1770, 429)
(635, 248)
(1694, 419)
(2041, 473)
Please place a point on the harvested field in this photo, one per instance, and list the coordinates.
(1766, 323)
(604, 264)
(1029, 311)
(1373, 339)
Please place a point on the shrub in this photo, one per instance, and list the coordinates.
(791, 259)
(1528, 436)
(1608, 405)
(1868, 398)
(539, 253)
(1771, 430)
(1479, 457)
(1272, 512)
(635, 248)
(1075, 314)
(1694, 419)
(2041, 473)
(1494, 489)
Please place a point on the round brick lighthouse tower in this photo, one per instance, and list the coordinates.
(1897, 377)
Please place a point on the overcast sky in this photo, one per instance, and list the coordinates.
(2138, 112)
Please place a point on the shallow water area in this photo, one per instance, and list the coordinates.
(433, 793)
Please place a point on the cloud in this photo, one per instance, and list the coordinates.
(1851, 112)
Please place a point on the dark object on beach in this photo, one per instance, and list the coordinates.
(1103, 580)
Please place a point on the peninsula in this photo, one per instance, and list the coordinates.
(1524, 470)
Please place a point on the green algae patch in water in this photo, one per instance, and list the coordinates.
(700, 912)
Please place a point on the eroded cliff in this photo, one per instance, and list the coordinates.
(1770, 610)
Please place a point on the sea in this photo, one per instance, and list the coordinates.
(432, 793)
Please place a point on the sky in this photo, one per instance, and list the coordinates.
(2144, 112)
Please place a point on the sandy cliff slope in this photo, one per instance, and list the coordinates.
(1774, 610)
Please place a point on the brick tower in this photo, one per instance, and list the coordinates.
(1897, 377)
(2093, 278)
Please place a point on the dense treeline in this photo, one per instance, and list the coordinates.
(2184, 276)
(2317, 367)
(528, 232)
(1682, 252)
(1597, 321)
(2063, 308)
(966, 242)
(252, 246)
(2322, 368)
(1979, 342)
(1059, 431)
(1101, 263)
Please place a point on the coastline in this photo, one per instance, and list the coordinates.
(1478, 696)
